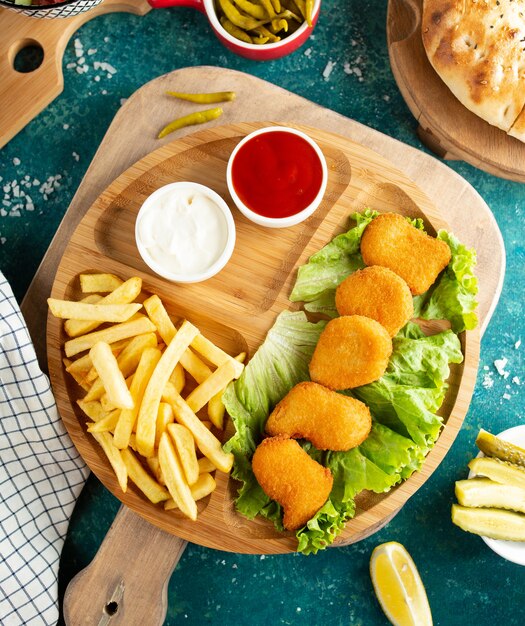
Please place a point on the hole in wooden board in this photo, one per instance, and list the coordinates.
(26, 56)
(263, 259)
(111, 608)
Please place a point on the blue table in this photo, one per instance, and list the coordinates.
(345, 67)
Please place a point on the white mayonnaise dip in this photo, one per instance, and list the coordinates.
(182, 229)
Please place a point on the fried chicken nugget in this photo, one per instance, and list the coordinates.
(391, 241)
(352, 350)
(288, 475)
(328, 419)
(379, 293)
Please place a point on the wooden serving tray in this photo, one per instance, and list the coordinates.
(112, 577)
(236, 308)
(446, 126)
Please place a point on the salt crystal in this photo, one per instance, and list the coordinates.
(328, 69)
(70, 66)
(104, 92)
(517, 344)
(81, 61)
(488, 381)
(65, 126)
(499, 364)
(77, 43)
(308, 52)
(106, 39)
(507, 396)
(358, 72)
(16, 161)
(92, 51)
(6, 202)
(75, 156)
(516, 380)
(36, 182)
(347, 69)
(3, 239)
(109, 76)
(97, 78)
(79, 70)
(386, 98)
(122, 101)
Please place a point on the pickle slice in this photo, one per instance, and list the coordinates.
(493, 523)
(499, 471)
(491, 445)
(483, 492)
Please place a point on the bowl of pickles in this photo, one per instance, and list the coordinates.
(261, 30)
(491, 501)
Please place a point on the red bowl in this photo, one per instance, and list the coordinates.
(256, 52)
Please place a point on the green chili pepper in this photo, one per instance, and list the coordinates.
(189, 120)
(204, 98)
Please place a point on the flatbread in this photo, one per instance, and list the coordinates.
(478, 49)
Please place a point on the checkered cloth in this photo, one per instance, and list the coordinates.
(41, 476)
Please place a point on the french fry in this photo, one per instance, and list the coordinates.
(146, 420)
(124, 330)
(112, 378)
(166, 329)
(106, 424)
(124, 294)
(99, 283)
(205, 465)
(214, 354)
(114, 457)
(174, 478)
(154, 465)
(67, 309)
(159, 316)
(164, 417)
(128, 360)
(185, 446)
(211, 386)
(149, 487)
(203, 487)
(84, 366)
(195, 367)
(78, 376)
(148, 361)
(216, 406)
(178, 378)
(208, 444)
(93, 409)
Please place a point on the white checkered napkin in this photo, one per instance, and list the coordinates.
(41, 475)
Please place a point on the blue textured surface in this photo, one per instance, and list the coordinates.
(465, 581)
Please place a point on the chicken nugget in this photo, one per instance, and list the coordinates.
(328, 419)
(293, 479)
(391, 241)
(352, 350)
(379, 293)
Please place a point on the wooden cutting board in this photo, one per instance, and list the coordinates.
(25, 95)
(446, 126)
(129, 138)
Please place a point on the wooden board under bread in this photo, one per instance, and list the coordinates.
(237, 307)
(445, 125)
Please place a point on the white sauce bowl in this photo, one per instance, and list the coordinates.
(185, 232)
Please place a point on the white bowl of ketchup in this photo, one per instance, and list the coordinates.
(277, 176)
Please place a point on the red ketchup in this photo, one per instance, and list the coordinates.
(277, 174)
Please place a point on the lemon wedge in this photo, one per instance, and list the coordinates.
(398, 586)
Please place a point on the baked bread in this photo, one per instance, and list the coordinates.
(477, 47)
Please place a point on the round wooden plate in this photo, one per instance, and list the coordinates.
(446, 126)
(236, 308)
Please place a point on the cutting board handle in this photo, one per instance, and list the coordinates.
(126, 583)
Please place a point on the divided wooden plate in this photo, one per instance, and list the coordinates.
(445, 125)
(237, 307)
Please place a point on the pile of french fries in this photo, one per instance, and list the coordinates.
(134, 370)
